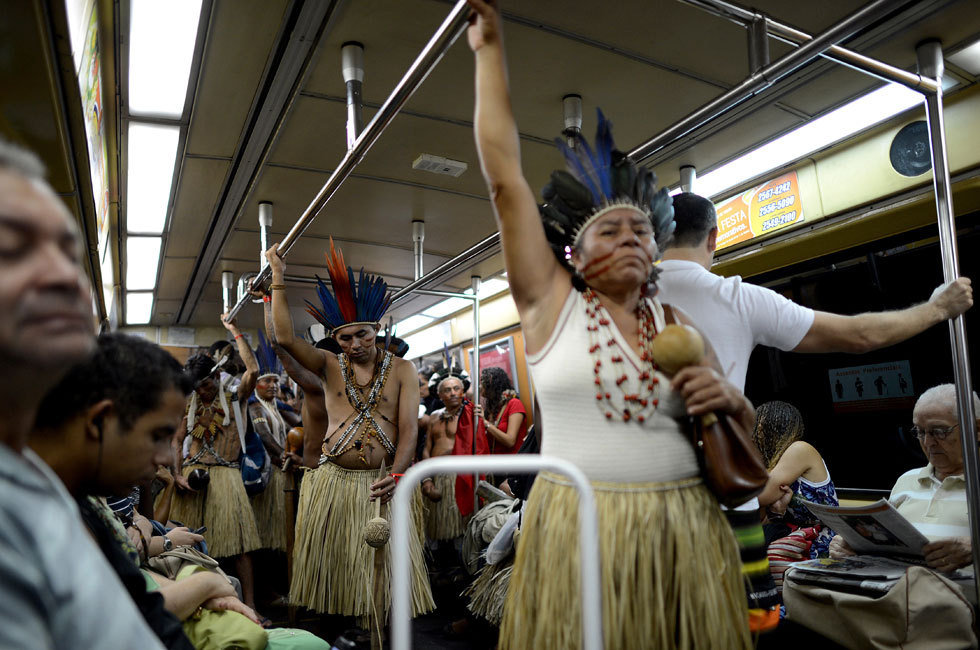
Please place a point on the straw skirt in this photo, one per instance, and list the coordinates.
(489, 591)
(223, 507)
(670, 569)
(269, 507)
(333, 568)
(443, 520)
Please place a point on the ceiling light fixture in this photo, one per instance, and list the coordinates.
(142, 260)
(139, 308)
(838, 124)
(162, 37)
(152, 152)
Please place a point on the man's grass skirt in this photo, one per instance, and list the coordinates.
(223, 507)
(670, 569)
(443, 520)
(489, 591)
(333, 568)
(269, 507)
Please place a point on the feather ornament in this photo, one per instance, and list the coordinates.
(364, 300)
(269, 363)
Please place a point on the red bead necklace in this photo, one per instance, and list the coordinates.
(637, 396)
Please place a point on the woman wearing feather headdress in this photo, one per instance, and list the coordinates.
(669, 559)
(371, 399)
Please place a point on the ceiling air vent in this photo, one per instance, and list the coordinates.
(439, 165)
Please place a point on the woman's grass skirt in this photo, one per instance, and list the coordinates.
(269, 507)
(333, 568)
(670, 569)
(443, 520)
(224, 507)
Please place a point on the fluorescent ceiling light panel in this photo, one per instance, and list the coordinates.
(152, 154)
(447, 306)
(841, 123)
(142, 260)
(968, 58)
(162, 36)
(139, 307)
(412, 323)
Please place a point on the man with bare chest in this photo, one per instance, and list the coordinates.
(215, 422)
(371, 399)
(443, 521)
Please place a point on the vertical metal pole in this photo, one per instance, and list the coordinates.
(758, 33)
(418, 237)
(475, 284)
(265, 223)
(689, 174)
(227, 284)
(571, 108)
(352, 64)
(930, 62)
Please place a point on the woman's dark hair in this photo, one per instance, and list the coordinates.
(130, 371)
(777, 426)
(497, 390)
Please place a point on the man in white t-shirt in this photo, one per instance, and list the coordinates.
(736, 316)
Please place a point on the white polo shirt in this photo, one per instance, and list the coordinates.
(936, 508)
(734, 316)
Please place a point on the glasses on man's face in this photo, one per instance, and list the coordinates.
(938, 433)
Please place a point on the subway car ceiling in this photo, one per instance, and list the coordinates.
(264, 115)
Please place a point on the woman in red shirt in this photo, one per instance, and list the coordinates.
(504, 416)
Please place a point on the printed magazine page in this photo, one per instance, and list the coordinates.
(876, 529)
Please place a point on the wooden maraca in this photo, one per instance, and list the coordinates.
(377, 530)
(732, 467)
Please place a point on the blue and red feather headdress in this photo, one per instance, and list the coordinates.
(351, 303)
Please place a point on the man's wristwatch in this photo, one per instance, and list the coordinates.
(168, 543)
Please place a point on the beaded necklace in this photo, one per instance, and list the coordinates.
(638, 397)
(364, 411)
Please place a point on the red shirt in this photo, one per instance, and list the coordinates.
(514, 405)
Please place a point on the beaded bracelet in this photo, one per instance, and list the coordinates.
(238, 336)
(397, 477)
(266, 298)
(279, 287)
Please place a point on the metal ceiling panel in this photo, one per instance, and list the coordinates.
(239, 44)
(200, 183)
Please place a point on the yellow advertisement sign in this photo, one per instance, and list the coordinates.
(761, 210)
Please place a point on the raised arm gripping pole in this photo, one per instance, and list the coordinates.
(427, 59)
(401, 594)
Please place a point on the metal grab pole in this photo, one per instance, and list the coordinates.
(765, 77)
(930, 60)
(836, 53)
(227, 284)
(588, 521)
(486, 246)
(427, 59)
(475, 284)
(265, 225)
(418, 238)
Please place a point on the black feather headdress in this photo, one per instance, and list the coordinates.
(596, 182)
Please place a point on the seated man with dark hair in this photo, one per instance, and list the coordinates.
(106, 427)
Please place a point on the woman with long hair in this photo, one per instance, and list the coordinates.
(503, 415)
(794, 466)
(582, 275)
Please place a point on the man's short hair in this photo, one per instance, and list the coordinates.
(130, 371)
(20, 161)
(199, 367)
(695, 217)
(445, 379)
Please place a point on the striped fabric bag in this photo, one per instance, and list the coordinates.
(784, 551)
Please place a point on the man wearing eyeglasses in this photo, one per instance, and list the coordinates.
(933, 498)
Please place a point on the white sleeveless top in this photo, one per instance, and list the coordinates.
(575, 427)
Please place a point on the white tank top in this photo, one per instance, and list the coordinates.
(576, 429)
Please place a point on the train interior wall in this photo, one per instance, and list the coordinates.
(870, 447)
